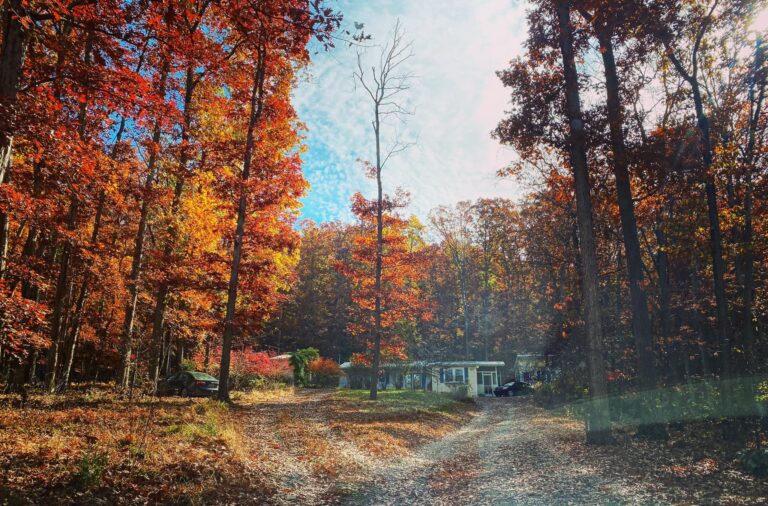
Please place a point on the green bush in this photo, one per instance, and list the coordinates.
(90, 467)
(754, 461)
(188, 365)
(300, 360)
(459, 392)
(561, 391)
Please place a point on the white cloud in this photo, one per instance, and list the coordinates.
(456, 97)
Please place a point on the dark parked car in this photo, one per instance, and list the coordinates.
(189, 384)
(513, 388)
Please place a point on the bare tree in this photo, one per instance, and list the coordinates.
(384, 84)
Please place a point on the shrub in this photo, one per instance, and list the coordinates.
(248, 369)
(459, 392)
(754, 461)
(212, 421)
(188, 365)
(325, 372)
(90, 467)
(300, 360)
(561, 391)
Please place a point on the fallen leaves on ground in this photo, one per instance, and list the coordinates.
(91, 446)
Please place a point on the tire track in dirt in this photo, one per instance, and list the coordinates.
(499, 458)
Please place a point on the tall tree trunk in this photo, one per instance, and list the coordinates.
(60, 300)
(715, 235)
(158, 318)
(83, 295)
(79, 306)
(33, 245)
(665, 289)
(168, 352)
(14, 47)
(164, 288)
(756, 95)
(138, 253)
(4, 231)
(641, 323)
(257, 100)
(697, 319)
(598, 420)
(379, 260)
(32, 378)
(716, 252)
(138, 245)
(12, 53)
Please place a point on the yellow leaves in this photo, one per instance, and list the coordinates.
(198, 208)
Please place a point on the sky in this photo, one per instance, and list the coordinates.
(455, 97)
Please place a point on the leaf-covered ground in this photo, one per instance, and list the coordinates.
(515, 453)
(281, 446)
(329, 447)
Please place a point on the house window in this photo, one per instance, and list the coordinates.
(454, 375)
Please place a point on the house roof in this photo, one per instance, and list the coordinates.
(468, 363)
(529, 359)
(424, 363)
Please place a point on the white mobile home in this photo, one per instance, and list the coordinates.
(469, 377)
(477, 377)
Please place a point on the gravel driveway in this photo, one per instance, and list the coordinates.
(506, 455)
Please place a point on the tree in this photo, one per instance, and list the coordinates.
(548, 116)
(701, 24)
(454, 228)
(598, 424)
(603, 22)
(383, 85)
(282, 32)
(383, 305)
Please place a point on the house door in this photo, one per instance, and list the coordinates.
(486, 383)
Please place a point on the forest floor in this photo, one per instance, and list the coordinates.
(279, 446)
(330, 447)
(515, 453)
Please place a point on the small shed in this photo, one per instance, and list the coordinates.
(531, 367)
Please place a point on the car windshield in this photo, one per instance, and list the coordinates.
(202, 376)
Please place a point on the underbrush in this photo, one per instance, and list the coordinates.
(94, 446)
(264, 394)
(694, 415)
(688, 402)
(91, 443)
(693, 466)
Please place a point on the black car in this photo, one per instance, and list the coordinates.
(513, 388)
(189, 384)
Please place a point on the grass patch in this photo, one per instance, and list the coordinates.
(399, 420)
(403, 400)
(277, 393)
(213, 422)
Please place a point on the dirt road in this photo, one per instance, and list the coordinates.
(509, 454)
